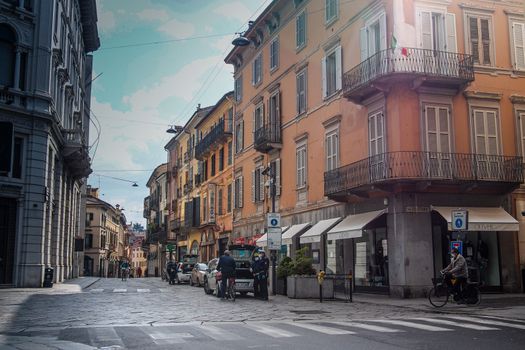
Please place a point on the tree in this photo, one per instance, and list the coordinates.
(138, 227)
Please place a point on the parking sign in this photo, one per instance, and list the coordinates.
(459, 220)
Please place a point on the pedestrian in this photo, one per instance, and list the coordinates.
(226, 266)
(139, 272)
(260, 268)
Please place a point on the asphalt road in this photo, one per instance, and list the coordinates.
(149, 314)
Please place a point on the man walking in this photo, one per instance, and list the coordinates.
(226, 266)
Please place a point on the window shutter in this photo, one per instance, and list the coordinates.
(521, 120)
(261, 185)
(338, 69)
(382, 32)
(327, 151)
(253, 121)
(242, 135)
(241, 190)
(253, 71)
(492, 133)
(323, 71)
(278, 177)
(254, 197)
(450, 24)
(518, 30)
(363, 36)
(485, 38)
(234, 190)
(425, 19)
(474, 38)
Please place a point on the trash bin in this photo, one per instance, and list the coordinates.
(48, 277)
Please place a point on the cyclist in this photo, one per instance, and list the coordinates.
(226, 266)
(457, 269)
(124, 267)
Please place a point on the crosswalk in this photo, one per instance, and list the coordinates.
(128, 290)
(179, 333)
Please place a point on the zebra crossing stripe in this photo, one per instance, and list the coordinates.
(270, 331)
(489, 322)
(217, 333)
(120, 290)
(412, 325)
(456, 324)
(321, 329)
(369, 327)
(97, 290)
(145, 290)
(499, 318)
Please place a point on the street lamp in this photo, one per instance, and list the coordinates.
(134, 183)
(174, 129)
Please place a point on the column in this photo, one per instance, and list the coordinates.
(17, 69)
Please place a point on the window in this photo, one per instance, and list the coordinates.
(257, 185)
(257, 70)
(376, 145)
(238, 89)
(436, 30)
(7, 56)
(331, 10)
(480, 39)
(212, 165)
(486, 131)
(332, 150)
(88, 242)
(373, 37)
(238, 195)
(274, 117)
(276, 168)
(521, 124)
(274, 54)
(219, 203)
(332, 74)
(301, 86)
(229, 201)
(230, 153)
(300, 30)
(300, 155)
(518, 44)
(258, 117)
(239, 136)
(437, 140)
(221, 159)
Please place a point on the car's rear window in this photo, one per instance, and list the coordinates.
(202, 267)
(243, 254)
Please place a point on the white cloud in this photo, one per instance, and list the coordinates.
(183, 84)
(236, 10)
(177, 29)
(153, 15)
(106, 19)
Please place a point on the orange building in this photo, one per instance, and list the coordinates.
(380, 119)
(213, 150)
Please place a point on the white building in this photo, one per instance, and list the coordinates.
(45, 95)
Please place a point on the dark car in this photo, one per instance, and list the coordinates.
(186, 266)
(243, 255)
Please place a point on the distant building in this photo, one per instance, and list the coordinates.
(45, 91)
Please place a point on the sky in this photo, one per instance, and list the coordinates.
(158, 59)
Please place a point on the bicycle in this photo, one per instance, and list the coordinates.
(439, 295)
(230, 289)
(125, 274)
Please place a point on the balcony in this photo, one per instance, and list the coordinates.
(76, 154)
(268, 137)
(176, 224)
(219, 134)
(421, 67)
(425, 172)
(12, 97)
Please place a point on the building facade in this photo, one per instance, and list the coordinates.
(379, 119)
(44, 121)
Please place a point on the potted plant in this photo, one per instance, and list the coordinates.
(301, 281)
(283, 271)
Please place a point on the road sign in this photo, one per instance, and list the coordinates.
(274, 220)
(274, 238)
(459, 220)
(458, 245)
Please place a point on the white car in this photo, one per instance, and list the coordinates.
(185, 267)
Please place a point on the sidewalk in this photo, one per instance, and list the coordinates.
(74, 285)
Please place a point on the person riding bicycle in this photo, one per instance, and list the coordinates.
(226, 266)
(457, 269)
(124, 268)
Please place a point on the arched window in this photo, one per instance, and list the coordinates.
(7, 55)
(194, 248)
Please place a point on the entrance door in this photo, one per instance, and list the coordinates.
(376, 130)
(437, 123)
(8, 213)
(88, 266)
(487, 144)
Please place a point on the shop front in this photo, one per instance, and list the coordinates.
(488, 245)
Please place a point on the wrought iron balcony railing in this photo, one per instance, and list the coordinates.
(218, 134)
(268, 137)
(437, 66)
(415, 165)
(76, 154)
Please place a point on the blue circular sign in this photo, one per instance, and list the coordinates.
(274, 222)
(458, 222)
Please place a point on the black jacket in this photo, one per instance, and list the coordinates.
(226, 264)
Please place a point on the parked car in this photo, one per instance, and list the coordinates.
(185, 267)
(243, 255)
(197, 274)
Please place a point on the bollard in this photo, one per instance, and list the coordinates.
(320, 279)
(48, 277)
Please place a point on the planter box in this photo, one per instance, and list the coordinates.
(280, 286)
(307, 287)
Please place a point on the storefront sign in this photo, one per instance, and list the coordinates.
(459, 220)
(458, 245)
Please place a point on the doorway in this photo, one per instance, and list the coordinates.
(8, 212)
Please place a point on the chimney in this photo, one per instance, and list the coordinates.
(199, 107)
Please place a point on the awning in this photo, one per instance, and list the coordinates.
(482, 219)
(352, 225)
(293, 231)
(263, 241)
(313, 235)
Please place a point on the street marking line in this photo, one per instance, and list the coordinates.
(457, 324)
(498, 318)
(489, 322)
(163, 290)
(412, 325)
(271, 331)
(321, 329)
(369, 327)
(120, 290)
(217, 333)
(99, 336)
(143, 290)
(97, 290)
(169, 335)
